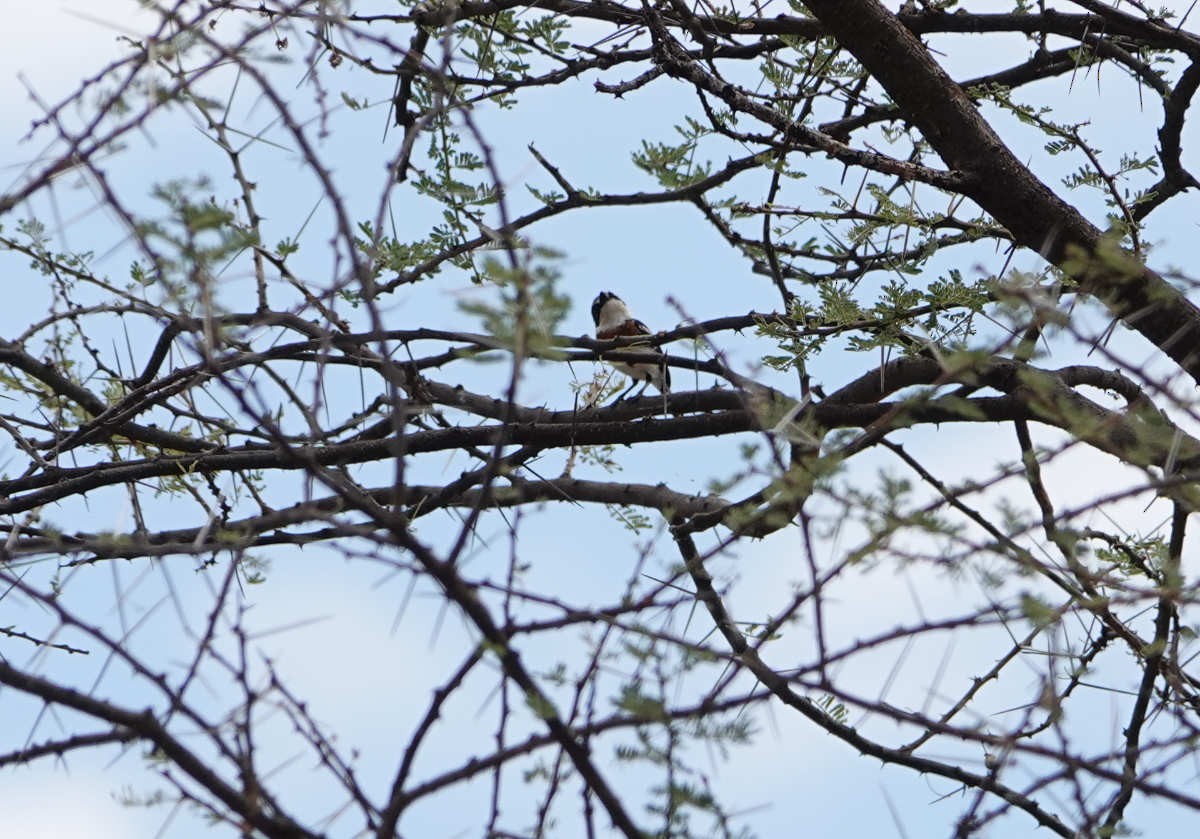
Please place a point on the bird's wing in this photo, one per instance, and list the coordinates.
(625, 329)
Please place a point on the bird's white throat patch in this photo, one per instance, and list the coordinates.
(613, 313)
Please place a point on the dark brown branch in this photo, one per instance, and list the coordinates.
(1152, 666)
(144, 725)
(779, 687)
(1003, 186)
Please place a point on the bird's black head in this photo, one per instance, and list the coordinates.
(598, 304)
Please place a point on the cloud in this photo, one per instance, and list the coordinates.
(52, 46)
(33, 807)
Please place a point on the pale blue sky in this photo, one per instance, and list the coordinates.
(328, 624)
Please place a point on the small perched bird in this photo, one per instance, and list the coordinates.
(614, 320)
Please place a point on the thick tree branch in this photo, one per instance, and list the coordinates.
(1003, 186)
